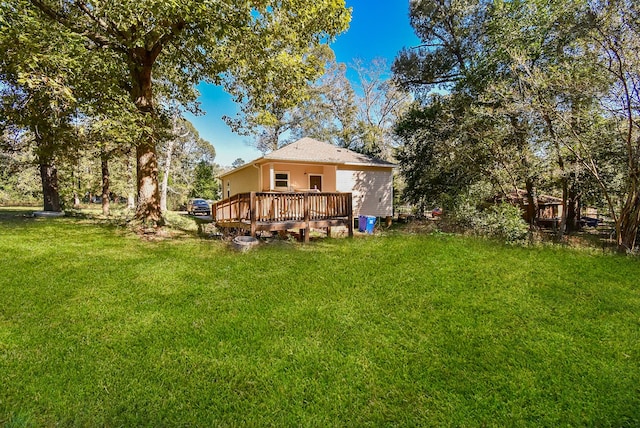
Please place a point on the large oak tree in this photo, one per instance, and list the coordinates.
(175, 45)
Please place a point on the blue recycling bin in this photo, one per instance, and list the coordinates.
(366, 223)
(362, 223)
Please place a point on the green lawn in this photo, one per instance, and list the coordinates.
(99, 327)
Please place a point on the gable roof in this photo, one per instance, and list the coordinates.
(314, 151)
(310, 150)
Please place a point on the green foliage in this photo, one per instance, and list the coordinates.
(200, 40)
(330, 112)
(100, 328)
(205, 183)
(357, 116)
(502, 221)
(472, 213)
(268, 98)
(187, 164)
(20, 187)
(19, 178)
(127, 54)
(436, 151)
(549, 91)
(453, 35)
(49, 84)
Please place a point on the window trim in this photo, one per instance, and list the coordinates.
(276, 180)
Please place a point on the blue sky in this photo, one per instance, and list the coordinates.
(379, 29)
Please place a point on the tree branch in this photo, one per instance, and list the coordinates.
(68, 23)
(108, 27)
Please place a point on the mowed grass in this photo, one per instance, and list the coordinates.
(101, 328)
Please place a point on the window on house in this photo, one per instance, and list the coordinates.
(281, 180)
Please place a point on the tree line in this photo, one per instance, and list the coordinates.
(112, 67)
(499, 96)
(540, 95)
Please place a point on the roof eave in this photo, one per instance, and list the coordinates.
(380, 165)
(325, 162)
(241, 167)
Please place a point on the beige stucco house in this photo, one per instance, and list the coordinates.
(309, 164)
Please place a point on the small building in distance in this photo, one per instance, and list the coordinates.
(549, 207)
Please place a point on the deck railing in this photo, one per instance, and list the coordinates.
(290, 207)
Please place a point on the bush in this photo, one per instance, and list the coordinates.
(502, 221)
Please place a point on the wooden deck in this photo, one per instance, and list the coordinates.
(274, 211)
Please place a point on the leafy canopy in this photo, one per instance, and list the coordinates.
(193, 40)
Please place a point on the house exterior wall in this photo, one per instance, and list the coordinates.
(329, 179)
(372, 189)
(242, 181)
(545, 211)
(299, 175)
(550, 211)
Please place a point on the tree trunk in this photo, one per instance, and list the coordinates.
(131, 186)
(76, 193)
(49, 176)
(628, 223)
(573, 208)
(573, 204)
(562, 227)
(148, 209)
(532, 198)
(105, 184)
(165, 176)
(131, 201)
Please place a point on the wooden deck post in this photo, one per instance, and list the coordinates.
(350, 211)
(252, 213)
(307, 215)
